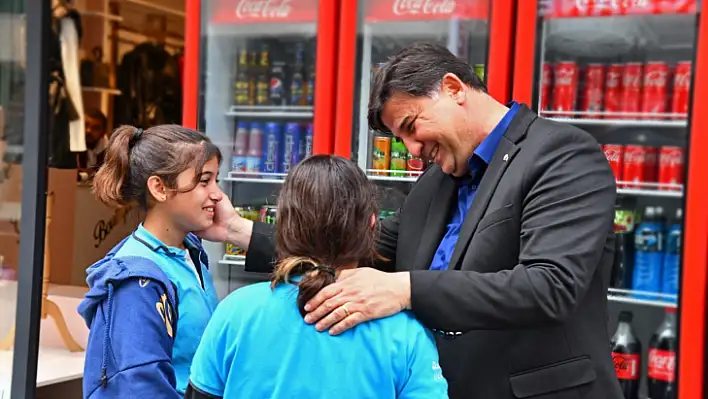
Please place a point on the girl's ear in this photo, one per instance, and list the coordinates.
(372, 221)
(157, 189)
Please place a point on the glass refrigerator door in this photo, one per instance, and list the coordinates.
(388, 26)
(258, 83)
(622, 71)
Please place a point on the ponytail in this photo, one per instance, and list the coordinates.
(314, 277)
(110, 179)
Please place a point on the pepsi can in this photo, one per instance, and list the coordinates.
(253, 155)
(291, 147)
(307, 140)
(272, 148)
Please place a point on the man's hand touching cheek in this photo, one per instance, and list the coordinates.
(358, 295)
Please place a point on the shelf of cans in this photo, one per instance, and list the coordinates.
(654, 93)
(264, 152)
(647, 170)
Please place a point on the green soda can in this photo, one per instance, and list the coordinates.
(399, 157)
(479, 70)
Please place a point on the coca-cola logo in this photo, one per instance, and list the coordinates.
(565, 75)
(413, 7)
(682, 80)
(613, 79)
(661, 363)
(613, 155)
(263, 9)
(671, 158)
(635, 156)
(655, 78)
(631, 80)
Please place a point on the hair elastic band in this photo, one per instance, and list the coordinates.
(325, 269)
(135, 137)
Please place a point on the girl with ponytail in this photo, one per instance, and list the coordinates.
(152, 295)
(257, 344)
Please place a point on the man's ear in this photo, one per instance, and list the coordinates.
(156, 188)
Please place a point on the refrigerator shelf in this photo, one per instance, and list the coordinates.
(657, 123)
(268, 111)
(255, 177)
(650, 189)
(233, 260)
(371, 174)
(647, 298)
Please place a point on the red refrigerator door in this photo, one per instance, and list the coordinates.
(479, 31)
(260, 80)
(629, 73)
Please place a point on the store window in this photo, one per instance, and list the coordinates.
(12, 109)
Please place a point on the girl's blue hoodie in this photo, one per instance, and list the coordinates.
(146, 308)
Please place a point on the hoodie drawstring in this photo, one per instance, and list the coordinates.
(107, 336)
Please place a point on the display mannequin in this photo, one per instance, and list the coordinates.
(67, 134)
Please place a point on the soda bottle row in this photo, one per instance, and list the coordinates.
(634, 165)
(270, 147)
(647, 254)
(391, 155)
(630, 90)
(264, 213)
(661, 357)
(266, 78)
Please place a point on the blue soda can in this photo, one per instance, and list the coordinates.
(272, 148)
(291, 147)
(255, 148)
(307, 140)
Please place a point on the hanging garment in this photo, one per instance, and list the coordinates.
(69, 39)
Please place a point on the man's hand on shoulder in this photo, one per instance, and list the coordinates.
(358, 295)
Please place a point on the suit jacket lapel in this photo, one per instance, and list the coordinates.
(436, 222)
(505, 152)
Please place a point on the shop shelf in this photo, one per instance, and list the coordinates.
(268, 111)
(251, 177)
(650, 189)
(107, 90)
(233, 260)
(637, 119)
(647, 298)
(370, 173)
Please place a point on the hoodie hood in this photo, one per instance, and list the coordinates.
(106, 274)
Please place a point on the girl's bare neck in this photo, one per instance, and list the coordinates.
(164, 230)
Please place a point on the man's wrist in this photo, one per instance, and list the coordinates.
(239, 232)
(404, 279)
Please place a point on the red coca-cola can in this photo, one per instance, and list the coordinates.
(631, 90)
(613, 91)
(565, 89)
(639, 165)
(670, 167)
(615, 156)
(546, 84)
(655, 90)
(682, 89)
(594, 79)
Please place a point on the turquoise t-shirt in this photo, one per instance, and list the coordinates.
(257, 345)
(196, 304)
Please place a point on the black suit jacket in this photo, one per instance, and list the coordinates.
(521, 311)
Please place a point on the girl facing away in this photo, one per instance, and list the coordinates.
(257, 344)
(152, 295)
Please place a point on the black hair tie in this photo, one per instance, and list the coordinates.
(325, 269)
(135, 137)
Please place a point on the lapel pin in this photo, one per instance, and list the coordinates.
(506, 157)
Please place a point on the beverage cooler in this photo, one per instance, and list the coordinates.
(632, 73)
(260, 82)
(479, 31)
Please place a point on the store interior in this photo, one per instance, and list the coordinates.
(130, 72)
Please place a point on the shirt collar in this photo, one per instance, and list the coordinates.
(148, 239)
(485, 150)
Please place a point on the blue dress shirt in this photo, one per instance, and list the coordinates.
(481, 157)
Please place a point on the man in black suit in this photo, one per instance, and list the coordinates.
(504, 247)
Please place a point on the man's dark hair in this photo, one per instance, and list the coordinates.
(96, 113)
(416, 70)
